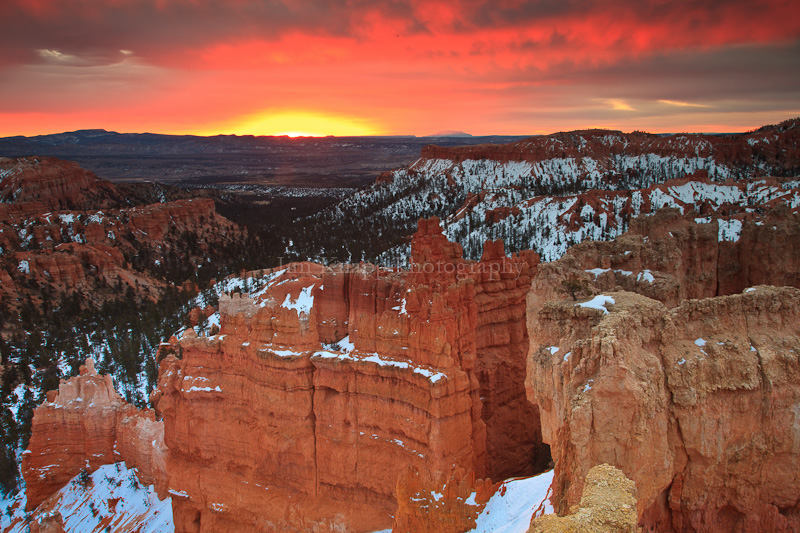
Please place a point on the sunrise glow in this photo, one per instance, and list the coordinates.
(406, 67)
(295, 124)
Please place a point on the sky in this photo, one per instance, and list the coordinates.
(396, 67)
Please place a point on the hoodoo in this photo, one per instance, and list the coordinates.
(689, 387)
(323, 388)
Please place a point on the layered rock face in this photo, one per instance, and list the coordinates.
(448, 503)
(694, 400)
(672, 257)
(86, 424)
(551, 192)
(327, 385)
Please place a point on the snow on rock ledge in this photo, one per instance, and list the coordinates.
(112, 499)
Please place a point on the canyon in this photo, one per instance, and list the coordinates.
(331, 392)
(652, 329)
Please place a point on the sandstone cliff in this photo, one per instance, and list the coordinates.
(328, 384)
(447, 503)
(65, 232)
(54, 184)
(337, 397)
(770, 145)
(672, 257)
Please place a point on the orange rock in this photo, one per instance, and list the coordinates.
(608, 504)
(65, 229)
(55, 183)
(637, 356)
(782, 147)
(675, 398)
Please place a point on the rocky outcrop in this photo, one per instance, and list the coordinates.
(551, 192)
(328, 384)
(663, 385)
(672, 257)
(695, 404)
(47, 524)
(608, 505)
(83, 425)
(53, 183)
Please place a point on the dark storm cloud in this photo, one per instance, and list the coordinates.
(735, 73)
(153, 28)
(752, 79)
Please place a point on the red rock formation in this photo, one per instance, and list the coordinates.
(55, 183)
(676, 397)
(83, 425)
(420, 355)
(671, 258)
(48, 524)
(98, 243)
(94, 252)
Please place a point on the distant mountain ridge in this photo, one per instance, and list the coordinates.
(450, 133)
(191, 159)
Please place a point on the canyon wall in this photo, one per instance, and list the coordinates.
(692, 394)
(336, 398)
(53, 184)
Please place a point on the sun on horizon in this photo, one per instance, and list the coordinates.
(296, 124)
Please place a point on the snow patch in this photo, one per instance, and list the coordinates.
(85, 508)
(729, 230)
(510, 509)
(645, 275)
(599, 302)
(303, 303)
(597, 271)
(432, 375)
